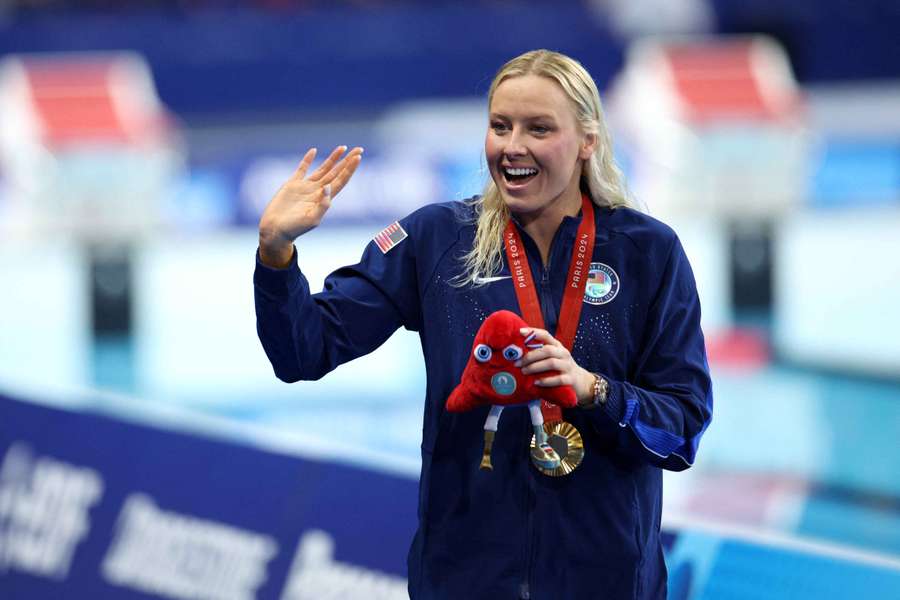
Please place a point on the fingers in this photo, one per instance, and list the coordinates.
(323, 199)
(552, 357)
(561, 379)
(548, 364)
(325, 167)
(354, 156)
(541, 335)
(344, 176)
(310, 155)
(542, 353)
(331, 171)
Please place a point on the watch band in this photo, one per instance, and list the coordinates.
(600, 391)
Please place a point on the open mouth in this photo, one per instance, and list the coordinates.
(518, 175)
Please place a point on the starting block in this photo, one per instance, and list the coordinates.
(86, 146)
(713, 126)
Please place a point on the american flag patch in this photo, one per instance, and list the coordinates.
(390, 236)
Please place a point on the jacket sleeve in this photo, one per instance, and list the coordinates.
(663, 413)
(307, 335)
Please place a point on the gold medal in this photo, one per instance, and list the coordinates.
(565, 439)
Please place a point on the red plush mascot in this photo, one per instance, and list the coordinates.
(491, 377)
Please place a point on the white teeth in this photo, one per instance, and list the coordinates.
(521, 172)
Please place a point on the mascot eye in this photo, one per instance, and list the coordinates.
(483, 353)
(512, 352)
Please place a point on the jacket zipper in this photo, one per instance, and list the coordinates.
(525, 587)
(546, 300)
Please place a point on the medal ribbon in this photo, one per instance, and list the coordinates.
(576, 280)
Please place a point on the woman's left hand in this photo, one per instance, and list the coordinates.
(553, 356)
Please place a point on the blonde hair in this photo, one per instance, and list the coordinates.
(601, 178)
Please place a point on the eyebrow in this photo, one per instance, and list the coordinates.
(550, 117)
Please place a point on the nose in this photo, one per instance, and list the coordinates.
(515, 145)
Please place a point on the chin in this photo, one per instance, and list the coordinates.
(517, 200)
(520, 205)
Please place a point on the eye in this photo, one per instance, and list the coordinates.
(512, 352)
(540, 129)
(482, 353)
(498, 126)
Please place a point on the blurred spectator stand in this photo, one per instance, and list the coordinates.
(85, 144)
(716, 125)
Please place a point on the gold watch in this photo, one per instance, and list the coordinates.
(600, 389)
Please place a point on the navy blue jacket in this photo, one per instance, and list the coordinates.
(514, 532)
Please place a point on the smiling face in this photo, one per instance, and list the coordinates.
(535, 148)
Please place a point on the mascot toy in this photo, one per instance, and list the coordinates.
(491, 378)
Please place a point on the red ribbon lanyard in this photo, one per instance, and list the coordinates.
(576, 280)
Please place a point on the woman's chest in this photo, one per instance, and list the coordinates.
(611, 309)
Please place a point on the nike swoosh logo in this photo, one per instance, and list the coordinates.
(492, 279)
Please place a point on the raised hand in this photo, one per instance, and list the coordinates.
(302, 201)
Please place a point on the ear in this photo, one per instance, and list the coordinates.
(588, 145)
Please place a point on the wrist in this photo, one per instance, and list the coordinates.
(584, 389)
(275, 253)
(270, 235)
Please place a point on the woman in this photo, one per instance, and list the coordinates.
(637, 363)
